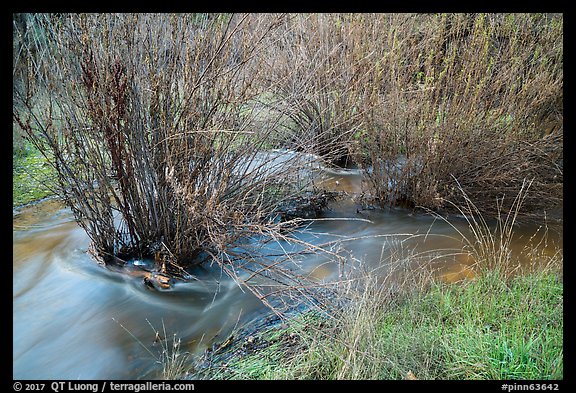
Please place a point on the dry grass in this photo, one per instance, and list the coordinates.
(488, 240)
(409, 324)
(168, 354)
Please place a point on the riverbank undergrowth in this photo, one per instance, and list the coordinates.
(487, 328)
(504, 322)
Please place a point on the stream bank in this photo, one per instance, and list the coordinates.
(74, 319)
(438, 333)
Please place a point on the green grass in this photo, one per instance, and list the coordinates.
(256, 353)
(484, 329)
(487, 328)
(30, 176)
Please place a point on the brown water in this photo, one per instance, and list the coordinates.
(74, 319)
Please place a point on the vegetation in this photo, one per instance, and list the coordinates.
(158, 118)
(475, 97)
(418, 100)
(445, 332)
(166, 352)
(31, 176)
(498, 325)
(185, 138)
(151, 125)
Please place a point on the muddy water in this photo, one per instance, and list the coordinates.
(73, 319)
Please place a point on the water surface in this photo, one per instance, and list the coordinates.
(74, 319)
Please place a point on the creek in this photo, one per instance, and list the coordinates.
(74, 319)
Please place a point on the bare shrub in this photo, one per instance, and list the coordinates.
(419, 98)
(318, 82)
(477, 97)
(158, 124)
(150, 120)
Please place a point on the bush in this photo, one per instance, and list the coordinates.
(157, 123)
(153, 128)
(475, 97)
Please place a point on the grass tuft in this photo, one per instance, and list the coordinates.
(499, 325)
(514, 332)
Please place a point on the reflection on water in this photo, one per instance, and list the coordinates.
(74, 319)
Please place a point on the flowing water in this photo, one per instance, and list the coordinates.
(74, 319)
